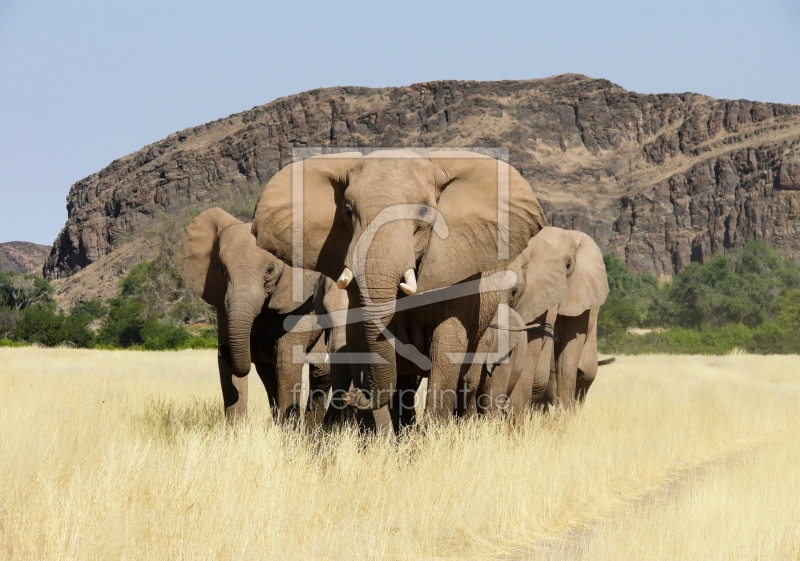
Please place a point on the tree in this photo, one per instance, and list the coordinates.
(744, 286)
(21, 291)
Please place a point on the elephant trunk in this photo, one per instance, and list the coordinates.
(377, 295)
(382, 377)
(241, 315)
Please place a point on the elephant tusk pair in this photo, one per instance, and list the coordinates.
(409, 286)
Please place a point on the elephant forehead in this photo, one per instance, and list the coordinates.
(562, 240)
(237, 244)
(393, 172)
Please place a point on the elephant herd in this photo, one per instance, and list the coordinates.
(445, 269)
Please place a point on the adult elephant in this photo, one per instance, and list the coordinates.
(394, 221)
(252, 292)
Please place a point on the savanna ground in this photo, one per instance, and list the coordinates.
(124, 455)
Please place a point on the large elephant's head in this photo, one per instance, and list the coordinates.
(587, 283)
(219, 260)
(395, 221)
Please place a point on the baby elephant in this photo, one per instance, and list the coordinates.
(252, 292)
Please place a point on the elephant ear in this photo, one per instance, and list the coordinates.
(588, 286)
(320, 182)
(197, 251)
(282, 299)
(469, 187)
(546, 281)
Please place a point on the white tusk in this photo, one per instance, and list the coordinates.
(410, 286)
(344, 278)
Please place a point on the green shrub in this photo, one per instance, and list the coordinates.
(743, 286)
(45, 326)
(18, 292)
(162, 335)
(89, 310)
(124, 324)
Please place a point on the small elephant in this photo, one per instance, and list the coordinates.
(252, 292)
(511, 368)
(574, 343)
(566, 284)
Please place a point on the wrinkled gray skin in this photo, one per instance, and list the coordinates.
(345, 198)
(566, 285)
(252, 293)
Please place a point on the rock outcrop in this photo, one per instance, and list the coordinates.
(660, 180)
(23, 257)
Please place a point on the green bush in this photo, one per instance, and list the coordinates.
(747, 298)
(127, 325)
(743, 286)
(139, 317)
(42, 325)
(161, 335)
(124, 324)
(18, 291)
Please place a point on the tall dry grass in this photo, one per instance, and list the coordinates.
(124, 455)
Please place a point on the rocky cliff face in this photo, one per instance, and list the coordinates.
(23, 257)
(660, 180)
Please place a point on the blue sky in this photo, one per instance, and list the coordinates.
(83, 83)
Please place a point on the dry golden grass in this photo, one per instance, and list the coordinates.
(124, 455)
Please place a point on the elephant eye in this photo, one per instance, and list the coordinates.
(271, 269)
(348, 209)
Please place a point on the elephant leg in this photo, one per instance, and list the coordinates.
(571, 333)
(587, 366)
(378, 421)
(548, 365)
(289, 374)
(467, 398)
(266, 372)
(472, 385)
(448, 344)
(341, 375)
(319, 384)
(234, 389)
(531, 387)
(338, 411)
(527, 385)
(404, 402)
(494, 399)
(544, 387)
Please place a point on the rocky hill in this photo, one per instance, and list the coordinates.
(660, 180)
(23, 257)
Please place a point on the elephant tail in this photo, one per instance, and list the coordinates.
(606, 361)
